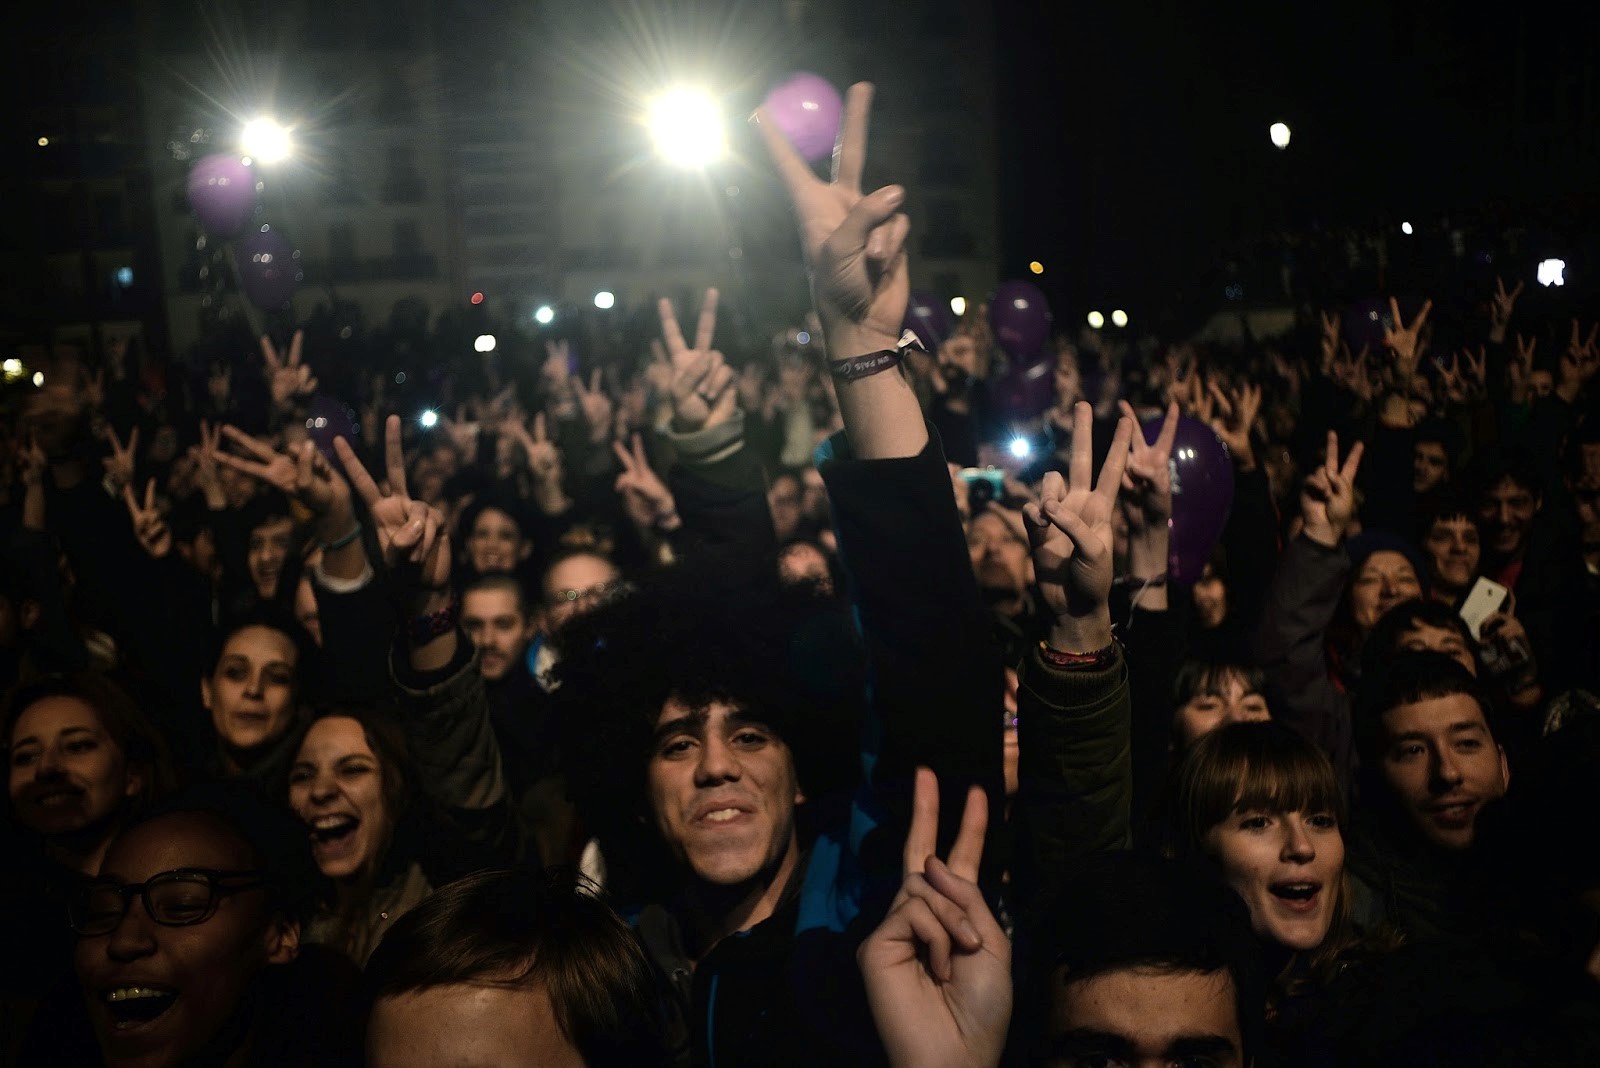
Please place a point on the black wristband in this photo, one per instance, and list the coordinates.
(864, 366)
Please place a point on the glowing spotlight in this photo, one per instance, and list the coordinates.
(1020, 448)
(12, 368)
(1405, 228)
(544, 315)
(265, 140)
(483, 343)
(124, 277)
(1119, 318)
(44, 142)
(958, 305)
(605, 300)
(38, 378)
(1551, 272)
(1279, 132)
(1036, 267)
(686, 125)
(1096, 320)
(429, 419)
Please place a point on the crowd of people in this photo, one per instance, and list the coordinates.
(763, 709)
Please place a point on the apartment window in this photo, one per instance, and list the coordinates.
(407, 238)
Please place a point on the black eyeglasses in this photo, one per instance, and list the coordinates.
(178, 898)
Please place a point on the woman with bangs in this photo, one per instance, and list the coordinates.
(1265, 806)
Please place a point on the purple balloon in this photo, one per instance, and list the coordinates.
(222, 192)
(928, 318)
(330, 418)
(807, 109)
(1020, 317)
(1202, 495)
(269, 268)
(1028, 387)
(1364, 324)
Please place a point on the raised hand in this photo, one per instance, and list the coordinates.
(119, 465)
(303, 473)
(287, 377)
(854, 243)
(702, 389)
(155, 537)
(1330, 338)
(1070, 531)
(1579, 363)
(1405, 341)
(413, 538)
(1147, 481)
(1236, 416)
(938, 968)
(543, 456)
(1328, 500)
(31, 461)
(596, 407)
(1500, 308)
(1519, 368)
(646, 499)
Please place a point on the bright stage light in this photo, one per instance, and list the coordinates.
(429, 419)
(1119, 318)
(483, 343)
(1279, 132)
(1020, 448)
(38, 378)
(687, 128)
(1096, 320)
(1405, 228)
(605, 300)
(1551, 272)
(544, 315)
(265, 140)
(1036, 267)
(958, 305)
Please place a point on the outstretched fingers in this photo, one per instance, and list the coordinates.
(850, 157)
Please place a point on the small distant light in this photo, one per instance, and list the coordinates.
(803, 337)
(400, 378)
(1405, 228)
(483, 343)
(477, 298)
(1020, 448)
(544, 315)
(1036, 267)
(124, 277)
(958, 305)
(605, 299)
(1096, 320)
(12, 367)
(1279, 132)
(321, 421)
(346, 333)
(1551, 272)
(429, 419)
(38, 378)
(1119, 318)
(44, 142)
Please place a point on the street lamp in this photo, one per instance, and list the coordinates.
(605, 300)
(1119, 318)
(1279, 132)
(1096, 320)
(264, 139)
(687, 128)
(483, 343)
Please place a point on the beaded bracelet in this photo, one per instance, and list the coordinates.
(424, 629)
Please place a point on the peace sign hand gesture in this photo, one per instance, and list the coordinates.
(1519, 368)
(854, 243)
(938, 968)
(303, 473)
(1578, 363)
(287, 378)
(1500, 307)
(1147, 483)
(1330, 338)
(1070, 530)
(647, 500)
(413, 539)
(1328, 500)
(595, 405)
(1405, 341)
(155, 537)
(119, 465)
(702, 382)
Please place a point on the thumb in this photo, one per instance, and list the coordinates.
(869, 213)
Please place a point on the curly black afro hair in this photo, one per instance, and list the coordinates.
(722, 630)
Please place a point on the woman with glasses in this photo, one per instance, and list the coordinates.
(81, 761)
(189, 947)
